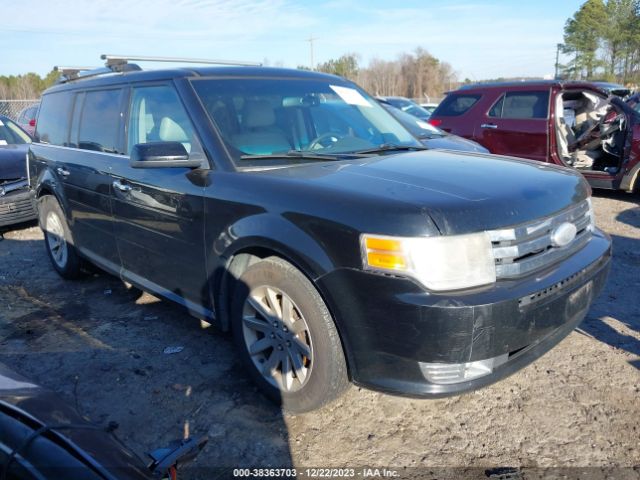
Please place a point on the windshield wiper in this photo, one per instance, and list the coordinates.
(388, 147)
(303, 155)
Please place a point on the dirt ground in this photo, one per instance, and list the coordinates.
(101, 347)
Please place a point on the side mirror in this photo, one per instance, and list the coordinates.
(161, 155)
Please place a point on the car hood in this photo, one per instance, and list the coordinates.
(461, 192)
(453, 142)
(13, 163)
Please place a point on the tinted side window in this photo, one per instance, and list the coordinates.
(522, 105)
(456, 104)
(100, 121)
(157, 115)
(496, 110)
(53, 120)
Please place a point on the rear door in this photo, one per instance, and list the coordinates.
(457, 113)
(95, 141)
(77, 139)
(159, 211)
(517, 124)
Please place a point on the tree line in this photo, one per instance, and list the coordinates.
(25, 87)
(415, 75)
(602, 42)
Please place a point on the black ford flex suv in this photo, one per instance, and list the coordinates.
(290, 208)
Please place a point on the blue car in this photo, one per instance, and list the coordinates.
(16, 201)
(408, 106)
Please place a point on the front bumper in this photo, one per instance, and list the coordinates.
(17, 207)
(391, 328)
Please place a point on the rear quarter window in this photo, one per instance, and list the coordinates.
(53, 120)
(456, 104)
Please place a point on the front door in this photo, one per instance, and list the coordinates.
(517, 125)
(159, 211)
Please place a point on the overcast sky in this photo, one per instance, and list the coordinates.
(480, 39)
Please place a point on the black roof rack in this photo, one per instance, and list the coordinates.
(120, 63)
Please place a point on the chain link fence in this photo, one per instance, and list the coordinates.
(12, 108)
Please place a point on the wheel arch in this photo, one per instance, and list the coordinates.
(244, 253)
(47, 185)
(251, 250)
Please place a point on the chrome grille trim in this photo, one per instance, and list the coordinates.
(524, 248)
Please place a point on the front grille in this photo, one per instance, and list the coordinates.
(550, 290)
(528, 247)
(22, 209)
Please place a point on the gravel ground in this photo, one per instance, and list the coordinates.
(100, 345)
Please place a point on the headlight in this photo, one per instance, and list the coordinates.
(439, 263)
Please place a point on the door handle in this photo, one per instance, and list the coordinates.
(489, 125)
(63, 172)
(121, 186)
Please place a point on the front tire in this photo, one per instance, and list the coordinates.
(58, 239)
(286, 337)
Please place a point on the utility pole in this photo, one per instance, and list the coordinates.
(311, 39)
(558, 47)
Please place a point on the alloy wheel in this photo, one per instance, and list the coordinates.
(277, 338)
(55, 239)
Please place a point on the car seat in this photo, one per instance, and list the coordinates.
(260, 135)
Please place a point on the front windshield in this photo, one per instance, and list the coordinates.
(417, 127)
(11, 134)
(416, 111)
(284, 117)
(409, 106)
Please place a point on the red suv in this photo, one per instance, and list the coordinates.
(574, 124)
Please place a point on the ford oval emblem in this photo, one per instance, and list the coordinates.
(563, 234)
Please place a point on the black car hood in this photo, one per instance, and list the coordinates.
(461, 192)
(13, 163)
(453, 142)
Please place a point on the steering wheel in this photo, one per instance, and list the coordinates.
(590, 135)
(325, 140)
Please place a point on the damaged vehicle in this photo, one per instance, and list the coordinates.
(16, 201)
(44, 438)
(573, 124)
(290, 208)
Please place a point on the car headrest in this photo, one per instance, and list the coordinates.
(170, 131)
(258, 113)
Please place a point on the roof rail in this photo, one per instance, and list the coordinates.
(120, 63)
(69, 74)
(118, 60)
(71, 71)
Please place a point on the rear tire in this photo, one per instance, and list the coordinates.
(286, 337)
(58, 239)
